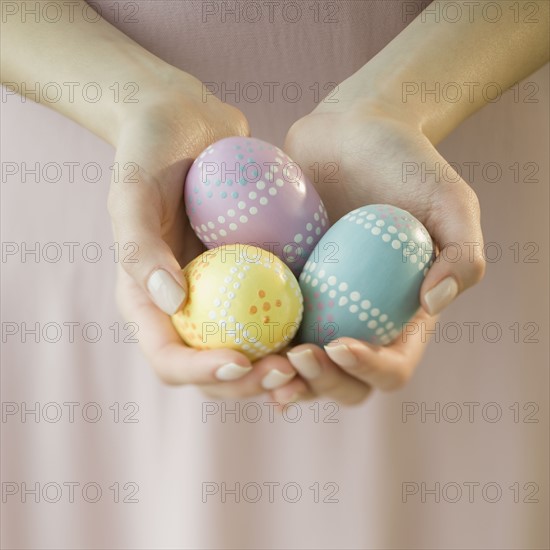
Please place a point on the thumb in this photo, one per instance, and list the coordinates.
(136, 213)
(454, 223)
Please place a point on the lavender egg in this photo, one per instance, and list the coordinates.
(363, 279)
(244, 190)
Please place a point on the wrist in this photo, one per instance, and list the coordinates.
(377, 91)
(176, 106)
(366, 93)
(160, 90)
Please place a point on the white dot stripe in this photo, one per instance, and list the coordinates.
(398, 239)
(258, 349)
(214, 231)
(365, 312)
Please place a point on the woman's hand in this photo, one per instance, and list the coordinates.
(157, 143)
(156, 134)
(381, 141)
(364, 156)
(157, 138)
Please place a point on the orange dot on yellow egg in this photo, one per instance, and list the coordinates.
(208, 287)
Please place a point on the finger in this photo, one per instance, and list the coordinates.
(178, 364)
(384, 367)
(271, 372)
(325, 378)
(137, 210)
(174, 362)
(296, 390)
(454, 224)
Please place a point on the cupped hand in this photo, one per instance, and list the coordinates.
(360, 156)
(158, 141)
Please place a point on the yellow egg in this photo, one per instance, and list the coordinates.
(240, 297)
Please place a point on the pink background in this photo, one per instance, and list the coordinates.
(369, 452)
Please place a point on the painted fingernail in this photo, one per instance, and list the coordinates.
(166, 293)
(275, 379)
(341, 355)
(441, 295)
(231, 371)
(305, 363)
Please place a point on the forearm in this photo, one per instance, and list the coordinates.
(74, 52)
(434, 74)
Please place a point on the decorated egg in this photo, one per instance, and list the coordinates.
(244, 190)
(363, 279)
(240, 297)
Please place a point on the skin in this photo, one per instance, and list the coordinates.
(369, 133)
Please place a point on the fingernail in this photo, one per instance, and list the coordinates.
(164, 290)
(275, 379)
(231, 371)
(341, 355)
(305, 363)
(441, 295)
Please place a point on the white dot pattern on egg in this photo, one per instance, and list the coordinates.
(240, 297)
(363, 279)
(244, 190)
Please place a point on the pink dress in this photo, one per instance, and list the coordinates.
(164, 467)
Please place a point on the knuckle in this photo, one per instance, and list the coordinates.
(360, 368)
(473, 202)
(471, 205)
(294, 137)
(396, 380)
(223, 121)
(240, 125)
(478, 267)
(331, 386)
(165, 376)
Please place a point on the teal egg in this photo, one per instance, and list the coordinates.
(363, 278)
